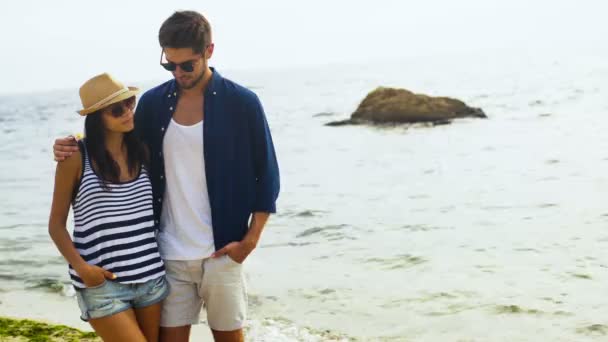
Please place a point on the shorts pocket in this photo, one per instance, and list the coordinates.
(102, 305)
(158, 285)
(103, 283)
(98, 301)
(233, 261)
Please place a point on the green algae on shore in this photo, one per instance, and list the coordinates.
(27, 330)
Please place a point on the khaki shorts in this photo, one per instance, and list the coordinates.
(218, 284)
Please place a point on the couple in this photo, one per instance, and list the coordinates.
(169, 198)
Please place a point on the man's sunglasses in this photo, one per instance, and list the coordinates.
(120, 108)
(187, 66)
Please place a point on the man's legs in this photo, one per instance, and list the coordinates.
(182, 334)
(224, 292)
(182, 307)
(220, 283)
(228, 336)
(175, 334)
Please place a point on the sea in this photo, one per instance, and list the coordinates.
(480, 230)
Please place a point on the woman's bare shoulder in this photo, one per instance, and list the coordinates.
(71, 166)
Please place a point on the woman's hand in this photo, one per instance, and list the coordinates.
(93, 276)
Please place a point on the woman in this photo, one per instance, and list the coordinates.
(113, 259)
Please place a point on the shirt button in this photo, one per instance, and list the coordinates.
(174, 94)
(161, 177)
(170, 108)
(159, 200)
(156, 221)
(169, 95)
(214, 93)
(162, 129)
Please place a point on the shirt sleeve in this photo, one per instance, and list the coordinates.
(265, 161)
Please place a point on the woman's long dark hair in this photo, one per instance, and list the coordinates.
(105, 166)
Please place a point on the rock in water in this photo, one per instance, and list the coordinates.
(391, 105)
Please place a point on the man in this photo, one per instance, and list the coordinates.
(215, 180)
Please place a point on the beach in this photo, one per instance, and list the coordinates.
(480, 230)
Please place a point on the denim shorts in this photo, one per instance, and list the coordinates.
(110, 297)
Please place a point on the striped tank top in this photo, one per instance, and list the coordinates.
(114, 228)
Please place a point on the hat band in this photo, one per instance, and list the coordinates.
(100, 103)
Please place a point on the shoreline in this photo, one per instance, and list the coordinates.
(15, 329)
(25, 329)
(57, 310)
(57, 313)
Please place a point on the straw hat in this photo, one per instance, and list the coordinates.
(102, 91)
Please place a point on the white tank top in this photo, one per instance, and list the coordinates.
(185, 223)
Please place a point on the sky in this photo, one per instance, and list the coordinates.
(59, 44)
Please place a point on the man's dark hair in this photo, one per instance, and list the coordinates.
(185, 29)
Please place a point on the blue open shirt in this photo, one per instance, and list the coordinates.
(240, 162)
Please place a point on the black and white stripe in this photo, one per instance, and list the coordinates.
(114, 228)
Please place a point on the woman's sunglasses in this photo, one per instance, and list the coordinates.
(187, 66)
(120, 108)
